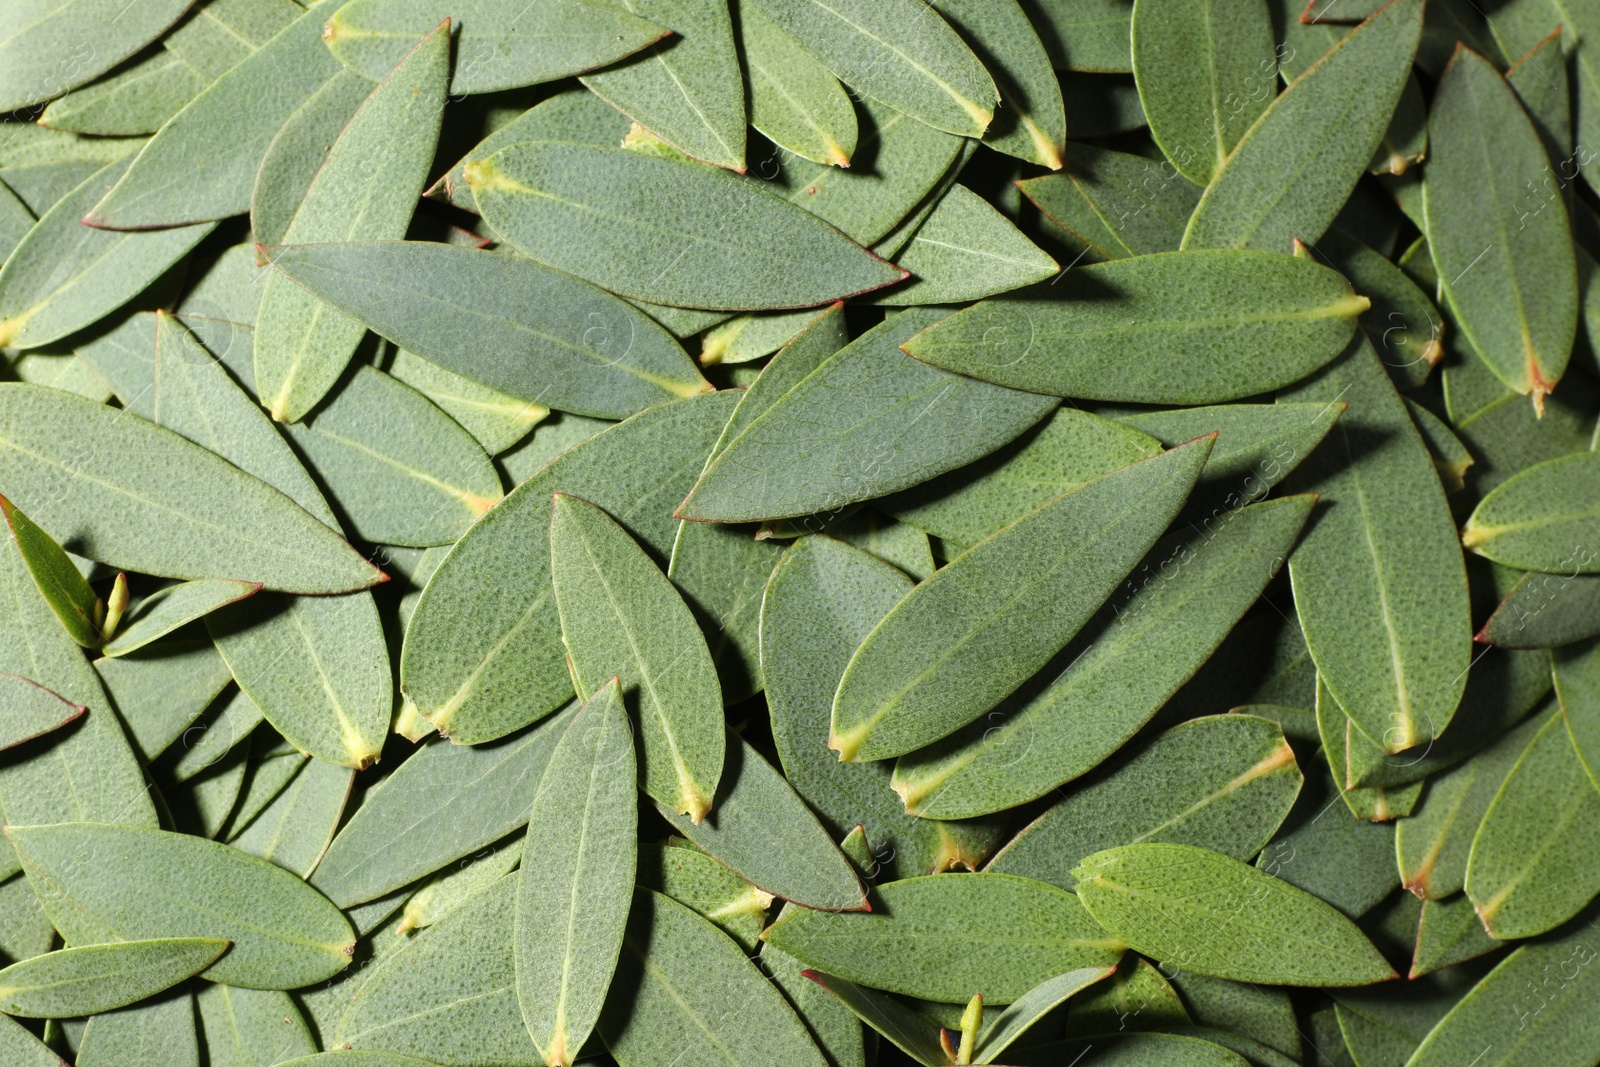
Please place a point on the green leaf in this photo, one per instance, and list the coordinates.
(1063, 452)
(794, 100)
(967, 637)
(966, 250)
(1513, 290)
(901, 161)
(898, 52)
(1577, 684)
(501, 44)
(1380, 589)
(64, 275)
(1503, 431)
(1031, 122)
(445, 802)
(293, 831)
(59, 581)
(686, 91)
(1223, 782)
(1500, 1024)
(251, 102)
(1534, 861)
(1089, 35)
(1327, 851)
(483, 654)
(1171, 615)
(172, 606)
(220, 34)
(402, 471)
(97, 978)
(48, 48)
(366, 189)
(764, 832)
(755, 334)
(128, 498)
(1340, 735)
(572, 905)
(1135, 1050)
(297, 153)
(693, 878)
(922, 941)
(232, 721)
(150, 883)
(665, 231)
(1112, 204)
(1448, 933)
(1312, 144)
(1542, 518)
(1205, 73)
(1545, 611)
(1404, 326)
(29, 710)
(1032, 1007)
(823, 599)
(1202, 911)
(537, 335)
(1264, 1015)
(139, 99)
(361, 1058)
(1432, 844)
(1289, 317)
(161, 1033)
(909, 1031)
(621, 616)
(836, 435)
(1137, 997)
(676, 988)
(241, 1026)
(23, 1049)
(495, 419)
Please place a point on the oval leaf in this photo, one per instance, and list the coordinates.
(96, 978)
(1543, 518)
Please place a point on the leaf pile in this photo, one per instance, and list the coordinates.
(811, 533)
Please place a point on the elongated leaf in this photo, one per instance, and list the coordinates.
(572, 905)
(1032, 1007)
(483, 654)
(1499, 1023)
(693, 878)
(251, 101)
(59, 581)
(1513, 289)
(138, 100)
(853, 449)
(1073, 338)
(898, 52)
(129, 499)
(762, 830)
(294, 830)
(909, 1031)
(402, 471)
(64, 275)
(794, 100)
(1088, 35)
(512, 324)
(1379, 589)
(966, 250)
(682, 983)
(923, 943)
(496, 420)
(823, 599)
(1544, 611)
(1031, 122)
(173, 606)
(297, 153)
(1503, 431)
(28, 710)
(23, 1049)
(96, 34)
(621, 616)
(150, 883)
(1133, 661)
(220, 34)
(1066, 450)
(454, 886)
(1264, 1015)
(366, 189)
(1112, 205)
(667, 232)
(1202, 911)
(1224, 782)
(1136, 997)
(1533, 864)
(970, 635)
(1542, 519)
(244, 1027)
(97, 978)
(1205, 72)
(502, 44)
(160, 1033)
(686, 91)
(1294, 168)
(445, 802)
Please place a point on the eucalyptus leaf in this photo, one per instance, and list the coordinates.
(495, 419)
(966, 250)
(160, 1033)
(94, 33)
(910, 1032)
(294, 830)
(1541, 519)
(692, 878)
(23, 1048)
(62, 586)
(794, 99)
(171, 607)
(247, 1027)
(297, 153)
(1112, 205)
(137, 100)
(27, 710)
(1031, 121)
(96, 978)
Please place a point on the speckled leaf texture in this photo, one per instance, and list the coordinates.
(97, 978)
(666, 231)
(1030, 122)
(794, 99)
(1542, 518)
(1513, 288)
(97, 34)
(1169, 328)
